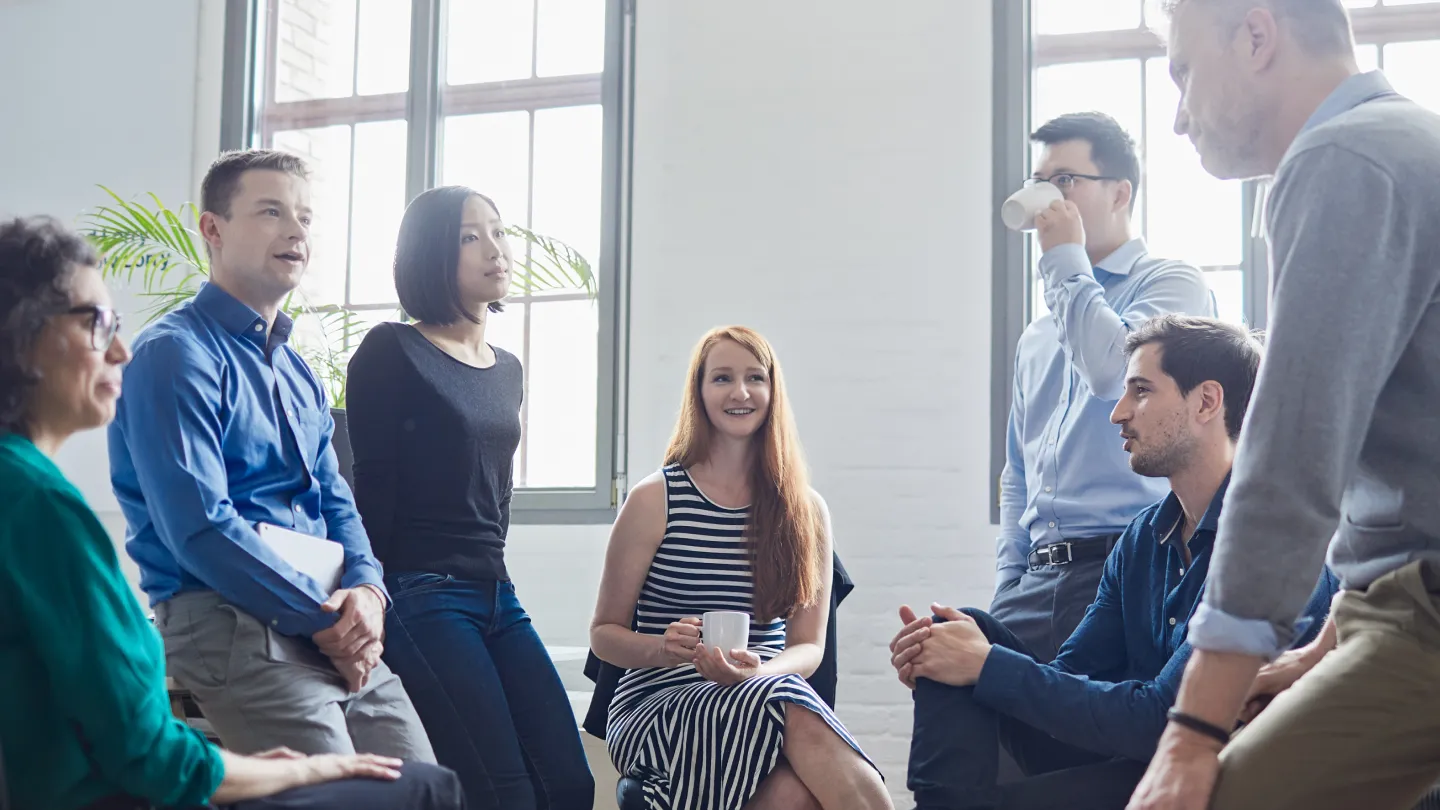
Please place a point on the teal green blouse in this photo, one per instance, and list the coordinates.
(83, 707)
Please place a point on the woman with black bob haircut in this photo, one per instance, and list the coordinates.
(434, 414)
(84, 715)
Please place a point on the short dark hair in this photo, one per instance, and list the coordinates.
(1194, 349)
(1111, 147)
(427, 256)
(1322, 27)
(38, 257)
(222, 179)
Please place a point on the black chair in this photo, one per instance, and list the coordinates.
(629, 793)
(341, 442)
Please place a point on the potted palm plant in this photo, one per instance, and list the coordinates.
(147, 242)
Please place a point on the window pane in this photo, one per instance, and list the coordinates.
(571, 37)
(1367, 57)
(1191, 216)
(567, 177)
(560, 430)
(315, 52)
(490, 153)
(327, 150)
(507, 329)
(1411, 67)
(379, 202)
(1369, 3)
(384, 65)
(490, 41)
(1110, 87)
(1079, 16)
(1228, 288)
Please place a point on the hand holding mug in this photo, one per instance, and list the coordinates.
(680, 640)
(1059, 225)
(713, 665)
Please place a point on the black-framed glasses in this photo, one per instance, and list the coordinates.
(104, 324)
(1066, 180)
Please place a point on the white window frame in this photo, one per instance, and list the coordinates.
(1018, 52)
(249, 37)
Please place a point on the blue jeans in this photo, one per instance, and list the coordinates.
(487, 693)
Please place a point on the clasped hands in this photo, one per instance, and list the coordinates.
(354, 641)
(950, 652)
(681, 645)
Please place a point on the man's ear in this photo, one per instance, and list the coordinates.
(1124, 195)
(1212, 401)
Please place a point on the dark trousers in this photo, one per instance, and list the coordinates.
(954, 753)
(487, 692)
(420, 786)
(1046, 604)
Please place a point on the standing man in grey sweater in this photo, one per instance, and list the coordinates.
(1344, 429)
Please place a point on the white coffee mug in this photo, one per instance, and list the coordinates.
(1018, 212)
(726, 630)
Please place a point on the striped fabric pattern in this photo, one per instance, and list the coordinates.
(693, 743)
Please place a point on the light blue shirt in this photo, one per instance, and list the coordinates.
(1220, 631)
(221, 426)
(1066, 473)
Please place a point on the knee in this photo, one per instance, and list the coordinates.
(432, 787)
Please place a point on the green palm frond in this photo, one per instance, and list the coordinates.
(551, 266)
(149, 240)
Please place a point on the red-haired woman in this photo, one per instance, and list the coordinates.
(729, 524)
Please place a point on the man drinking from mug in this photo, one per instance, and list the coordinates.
(1067, 490)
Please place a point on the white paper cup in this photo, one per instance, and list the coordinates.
(726, 630)
(1018, 212)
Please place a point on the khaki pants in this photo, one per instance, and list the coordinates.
(1362, 730)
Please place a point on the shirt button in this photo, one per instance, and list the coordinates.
(259, 327)
(299, 508)
(1052, 524)
(1172, 621)
(1182, 572)
(274, 622)
(1047, 489)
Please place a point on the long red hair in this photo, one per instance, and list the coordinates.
(784, 531)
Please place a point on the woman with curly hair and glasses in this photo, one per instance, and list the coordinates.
(84, 714)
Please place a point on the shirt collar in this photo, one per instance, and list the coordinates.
(1125, 257)
(238, 318)
(1170, 512)
(1351, 93)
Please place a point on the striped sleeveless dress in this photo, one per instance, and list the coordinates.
(693, 744)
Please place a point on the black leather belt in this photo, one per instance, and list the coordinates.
(1068, 551)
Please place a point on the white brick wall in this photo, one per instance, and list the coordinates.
(820, 170)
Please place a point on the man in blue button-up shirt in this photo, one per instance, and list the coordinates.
(1083, 726)
(1067, 491)
(222, 427)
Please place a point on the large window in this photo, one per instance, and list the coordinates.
(1057, 56)
(519, 99)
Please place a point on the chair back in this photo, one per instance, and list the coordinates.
(341, 442)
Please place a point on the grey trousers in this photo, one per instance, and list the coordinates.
(1047, 603)
(260, 689)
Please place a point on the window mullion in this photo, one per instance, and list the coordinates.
(422, 105)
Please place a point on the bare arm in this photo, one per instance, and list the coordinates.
(637, 534)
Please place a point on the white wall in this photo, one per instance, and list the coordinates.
(817, 169)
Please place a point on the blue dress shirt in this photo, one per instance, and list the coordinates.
(1119, 672)
(220, 427)
(1066, 473)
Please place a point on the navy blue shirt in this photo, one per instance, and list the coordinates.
(221, 426)
(1119, 672)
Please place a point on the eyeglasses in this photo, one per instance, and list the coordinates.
(1066, 181)
(104, 324)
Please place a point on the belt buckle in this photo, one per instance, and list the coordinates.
(1049, 553)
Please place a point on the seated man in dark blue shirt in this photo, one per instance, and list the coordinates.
(1083, 727)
